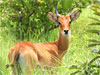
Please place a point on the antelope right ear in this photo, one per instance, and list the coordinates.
(52, 17)
(75, 15)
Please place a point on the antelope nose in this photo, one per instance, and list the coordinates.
(66, 31)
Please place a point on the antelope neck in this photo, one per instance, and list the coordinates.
(63, 43)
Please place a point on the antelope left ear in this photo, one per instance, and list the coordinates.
(75, 15)
(52, 17)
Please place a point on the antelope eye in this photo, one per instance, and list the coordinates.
(59, 22)
(70, 22)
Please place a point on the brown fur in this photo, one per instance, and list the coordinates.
(46, 55)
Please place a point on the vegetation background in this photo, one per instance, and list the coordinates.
(26, 20)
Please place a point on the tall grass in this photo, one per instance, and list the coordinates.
(76, 54)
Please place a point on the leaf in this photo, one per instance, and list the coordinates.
(94, 31)
(97, 13)
(93, 24)
(95, 58)
(96, 19)
(95, 50)
(95, 6)
(73, 67)
(84, 64)
(91, 45)
(98, 63)
(95, 10)
(94, 40)
(74, 73)
(1, 72)
(67, 3)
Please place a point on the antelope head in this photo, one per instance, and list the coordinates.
(64, 22)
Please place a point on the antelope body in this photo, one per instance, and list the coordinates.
(46, 55)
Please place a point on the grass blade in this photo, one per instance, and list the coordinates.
(73, 67)
(91, 45)
(94, 40)
(96, 19)
(93, 24)
(94, 31)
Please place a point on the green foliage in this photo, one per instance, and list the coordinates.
(96, 9)
(76, 54)
(92, 66)
(67, 4)
(27, 18)
(82, 3)
(30, 20)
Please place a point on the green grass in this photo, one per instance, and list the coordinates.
(76, 54)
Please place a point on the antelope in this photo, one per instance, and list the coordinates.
(28, 55)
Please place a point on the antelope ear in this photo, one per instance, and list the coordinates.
(52, 17)
(75, 15)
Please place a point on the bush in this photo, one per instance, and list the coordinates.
(27, 19)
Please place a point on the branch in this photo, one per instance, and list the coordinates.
(23, 5)
(31, 13)
(19, 18)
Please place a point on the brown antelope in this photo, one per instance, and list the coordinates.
(46, 55)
